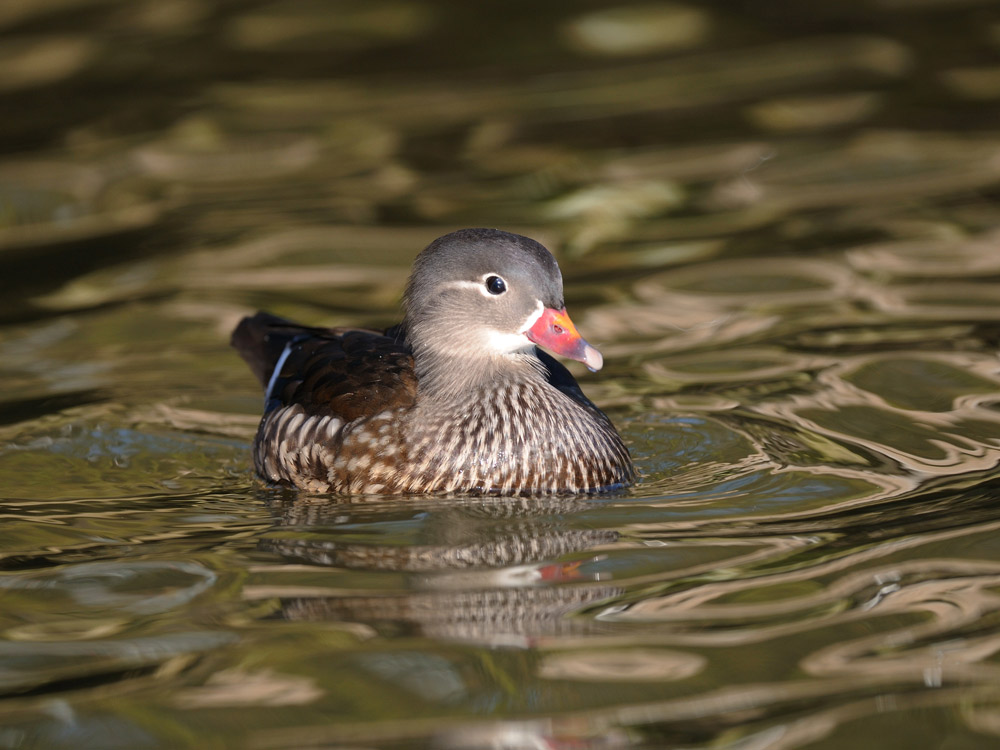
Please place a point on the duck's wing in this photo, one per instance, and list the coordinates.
(344, 373)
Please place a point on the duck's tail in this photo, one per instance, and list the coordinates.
(263, 339)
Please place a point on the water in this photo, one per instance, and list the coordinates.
(777, 221)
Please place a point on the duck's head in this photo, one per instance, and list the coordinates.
(480, 295)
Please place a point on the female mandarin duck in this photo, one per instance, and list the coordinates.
(456, 398)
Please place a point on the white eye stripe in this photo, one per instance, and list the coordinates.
(469, 285)
(461, 285)
(479, 286)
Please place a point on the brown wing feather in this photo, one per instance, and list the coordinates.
(346, 373)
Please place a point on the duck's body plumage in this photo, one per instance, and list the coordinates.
(449, 401)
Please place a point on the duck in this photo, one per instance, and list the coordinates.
(459, 398)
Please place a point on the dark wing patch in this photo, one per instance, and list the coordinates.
(560, 378)
(344, 373)
(260, 340)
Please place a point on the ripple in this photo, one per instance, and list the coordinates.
(304, 25)
(604, 212)
(63, 630)
(735, 366)
(925, 383)
(31, 62)
(199, 151)
(957, 257)
(612, 665)
(237, 687)
(638, 29)
(975, 83)
(874, 166)
(47, 202)
(682, 84)
(801, 113)
(140, 587)
(764, 281)
(34, 665)
(107, 459)
(942, 301)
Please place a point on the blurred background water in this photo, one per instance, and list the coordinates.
(779, 221)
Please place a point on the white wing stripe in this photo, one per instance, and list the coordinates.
(277, 371)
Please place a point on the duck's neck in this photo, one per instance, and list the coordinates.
(454, 380)
(453, 364)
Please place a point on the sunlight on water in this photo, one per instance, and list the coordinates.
(782, 236)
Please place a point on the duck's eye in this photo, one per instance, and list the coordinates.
(495, 285)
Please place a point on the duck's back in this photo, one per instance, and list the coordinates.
(321, 385)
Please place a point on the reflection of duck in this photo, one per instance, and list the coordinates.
(494, 616)
(501, 570)
(455, 399)
(511, 537)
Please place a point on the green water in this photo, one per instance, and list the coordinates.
(778, 222)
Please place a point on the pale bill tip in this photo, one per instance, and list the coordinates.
(592, 358)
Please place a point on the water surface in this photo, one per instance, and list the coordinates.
(778, 222)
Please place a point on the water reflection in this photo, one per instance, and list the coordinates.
(905, 617)
(495, 573)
